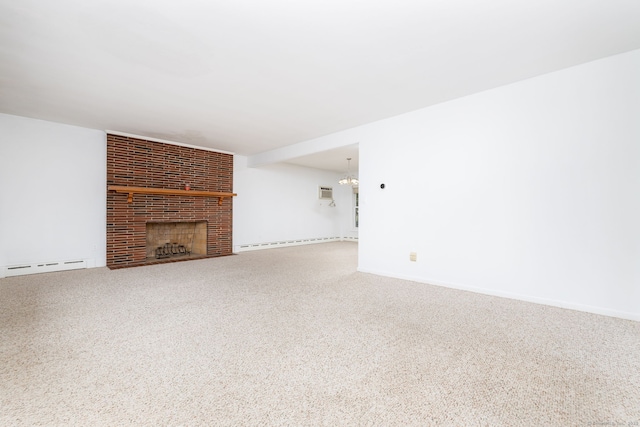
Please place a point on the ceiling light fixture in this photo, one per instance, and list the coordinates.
(350, 180)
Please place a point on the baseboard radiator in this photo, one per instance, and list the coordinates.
(284, 243)
(44, 267)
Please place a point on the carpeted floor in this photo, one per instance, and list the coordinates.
(295, 336)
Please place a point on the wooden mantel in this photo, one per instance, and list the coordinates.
(168, 192)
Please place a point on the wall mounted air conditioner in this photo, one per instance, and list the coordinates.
(325, 193)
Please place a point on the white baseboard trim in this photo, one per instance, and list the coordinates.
(45, 267)
(520, 297)
(285, 243)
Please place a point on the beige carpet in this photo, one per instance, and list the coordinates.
(295, 336)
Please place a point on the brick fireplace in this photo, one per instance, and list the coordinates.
(198, 225)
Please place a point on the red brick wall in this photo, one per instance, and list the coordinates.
(137, 162)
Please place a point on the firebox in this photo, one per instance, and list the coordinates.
(176, 239)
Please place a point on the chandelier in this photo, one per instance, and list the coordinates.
(349, 180)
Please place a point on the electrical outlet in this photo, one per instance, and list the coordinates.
(413, 256)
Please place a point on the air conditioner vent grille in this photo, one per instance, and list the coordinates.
(326, 193)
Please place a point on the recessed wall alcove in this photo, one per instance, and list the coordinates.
(136, 162)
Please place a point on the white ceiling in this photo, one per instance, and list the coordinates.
(249, 76)
(333, 160)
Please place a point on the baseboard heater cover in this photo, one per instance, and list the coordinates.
(257, 246)
(44, 267)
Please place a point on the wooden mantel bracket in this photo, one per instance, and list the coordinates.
(130, 191)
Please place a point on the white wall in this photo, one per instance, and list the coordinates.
(530, 190)
(53, 192)
(279, 202)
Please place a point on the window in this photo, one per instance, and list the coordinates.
(356, 202)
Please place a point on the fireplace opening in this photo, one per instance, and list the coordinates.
(167, 240)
